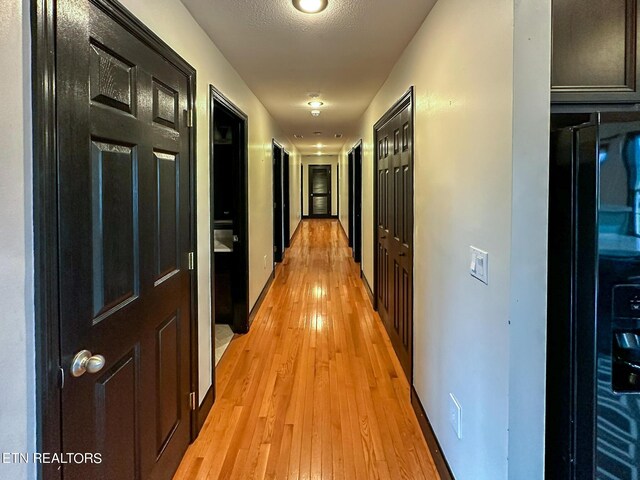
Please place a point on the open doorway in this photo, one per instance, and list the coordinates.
(229, 222)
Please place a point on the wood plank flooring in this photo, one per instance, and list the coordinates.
(314, 390)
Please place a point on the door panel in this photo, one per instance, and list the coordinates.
(319, 206)
(114, 203)
(166, 213)
(168, 361)
(124, 283)
(394, 190)
(116, 414)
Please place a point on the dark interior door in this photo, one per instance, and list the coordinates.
(338, 190)
(286, 221)
(394, 230)
(357, 204)
(124, 238)
(350, 189)
(319, 191)
(278, 236)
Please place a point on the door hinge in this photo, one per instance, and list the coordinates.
(192, 401)
(192, 261)
(275, 249)
(190, 118)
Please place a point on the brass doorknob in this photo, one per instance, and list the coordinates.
(85, 361)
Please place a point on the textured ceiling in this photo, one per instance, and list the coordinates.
(344, 53)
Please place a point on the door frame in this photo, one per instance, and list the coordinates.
(408, 98)
(278, 255)
(217, 98)
(329, 196)
(45, 202)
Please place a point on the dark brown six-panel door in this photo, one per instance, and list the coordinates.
(124, 239)
(394, 227)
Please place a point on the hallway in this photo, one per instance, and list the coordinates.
(314, 390)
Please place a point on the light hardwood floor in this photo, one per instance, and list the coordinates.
(314, 390)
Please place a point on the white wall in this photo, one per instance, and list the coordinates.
(17, 350)
(461, 63)
(322, 160)
(527, 329)
(343, 161)
(172, 22)
(295, 211)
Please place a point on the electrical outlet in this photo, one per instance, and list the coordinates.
(455, 415)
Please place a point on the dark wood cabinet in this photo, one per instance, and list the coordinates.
(595, 48)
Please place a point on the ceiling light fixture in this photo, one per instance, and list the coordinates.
(310, 6)
(315, 104)
(295, 135)
(315, 113)
(317, 133)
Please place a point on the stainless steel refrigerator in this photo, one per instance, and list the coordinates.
(593, 342)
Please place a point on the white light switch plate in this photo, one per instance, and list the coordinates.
(479, 265)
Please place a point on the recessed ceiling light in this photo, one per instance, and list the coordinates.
(338, 135)
(295, 135)
(316, 104)
(315, 113)
(310, 6)
(317, 133)
(319, 153)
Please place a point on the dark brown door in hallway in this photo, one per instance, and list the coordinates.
(314, 390)
(319, 191)
(124, 240)
(355, 207)
(394, 227)
(278, 204)
(286, 198)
